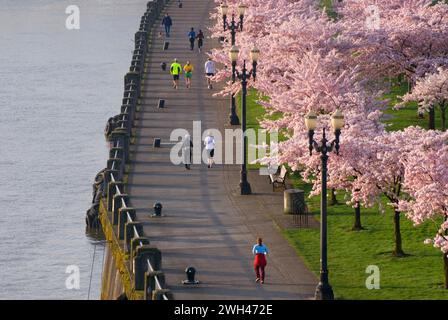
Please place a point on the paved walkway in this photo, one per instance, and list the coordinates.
(207, 224)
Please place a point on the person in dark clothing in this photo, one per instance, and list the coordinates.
(187, 151)
(200, 38)
(192, 38)
(167, 22)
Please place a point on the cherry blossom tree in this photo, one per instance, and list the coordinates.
(431, 91)
(386, 171)
(303, 68)
(396, 36)
(426, 183)
(309, 62)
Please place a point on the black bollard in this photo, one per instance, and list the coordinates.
(191, 272)
(157, 209)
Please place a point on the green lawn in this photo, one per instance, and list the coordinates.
(418, 276)
(328, 5)
(255, 113)
(406, 116)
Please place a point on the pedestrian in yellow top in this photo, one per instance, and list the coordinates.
(188, 68)
(175, 70)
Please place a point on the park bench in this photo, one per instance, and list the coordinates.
(278, 179)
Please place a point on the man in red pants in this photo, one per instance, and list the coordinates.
(260, 251)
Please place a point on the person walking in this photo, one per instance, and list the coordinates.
(210, 70)
(167, 22)
(188, 69)
(187, 151)
(200, 38)
(209, 143)
(175, 71)
(192, 38)
(260, 251)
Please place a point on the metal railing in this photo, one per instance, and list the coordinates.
(123, 122)
(129, 219)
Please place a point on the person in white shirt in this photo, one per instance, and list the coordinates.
(210, 71)
(209, 143)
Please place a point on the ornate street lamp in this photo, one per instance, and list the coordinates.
(233, 26)
(323, 289)
(244, 76)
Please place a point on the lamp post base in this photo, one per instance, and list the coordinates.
(233, 119)
(324, 292)
(245, 188)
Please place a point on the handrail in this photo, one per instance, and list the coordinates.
(132, 88)
(129, 219)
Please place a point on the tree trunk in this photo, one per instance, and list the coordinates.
(432, 119)
(398, 252)
(334, 200)
(357, 226)
(445, 259)
(445, 267)
(443, 116)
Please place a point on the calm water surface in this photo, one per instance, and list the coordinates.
(57, 89)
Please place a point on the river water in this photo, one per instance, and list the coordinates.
(57, 89)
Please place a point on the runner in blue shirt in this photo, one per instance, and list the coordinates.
(192, 37)
(260, 251)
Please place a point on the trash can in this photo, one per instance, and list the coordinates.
(158, 209)
(294, 201)
(295, 205)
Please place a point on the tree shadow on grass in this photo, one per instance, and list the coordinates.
(390, 254)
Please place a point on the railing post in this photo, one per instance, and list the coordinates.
(142, 35)
(152, 14)
(150, 283)
(121, 135)
(111, 191)
(144, 253)
(129, 109)
(116, 152)
(123, 219)
(124, 123)
(135, 243)
(117, 204)
(133, 77)
(111, 161)
(130, 93)
(107, 179)
(131, 100)
(151, 5)
(158, 294)
(129, 233)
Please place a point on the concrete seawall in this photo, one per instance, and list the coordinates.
(117, 276)
(132, 267)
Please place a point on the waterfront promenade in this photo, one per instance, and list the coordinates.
(206, 223)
